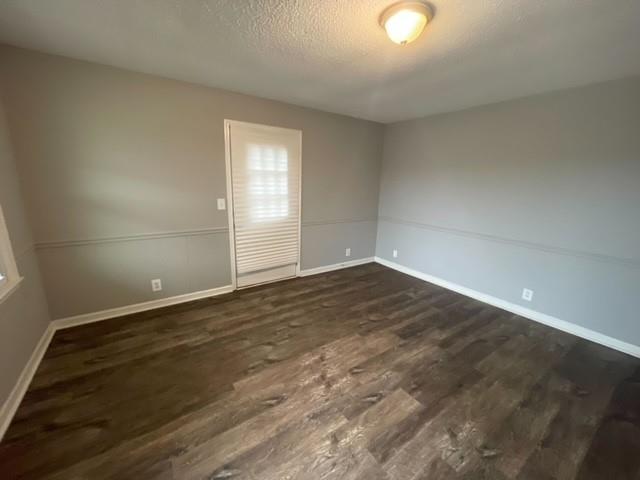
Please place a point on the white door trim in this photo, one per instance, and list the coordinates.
(298, 268)
(232, 230)
(227, 156)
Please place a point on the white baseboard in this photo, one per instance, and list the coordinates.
(69, 322)
(10, 406)
(335, 266)
(534, 315)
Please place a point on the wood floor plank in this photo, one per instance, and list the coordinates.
(525, 427)
(614, 451)
(330, 365)
(362, 373)
(593, 378)
(360, 430)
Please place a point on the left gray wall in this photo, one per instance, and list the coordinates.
(23, 314)
(121, 172)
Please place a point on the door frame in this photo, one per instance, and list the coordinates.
(227, 158)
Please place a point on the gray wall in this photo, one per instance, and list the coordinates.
(121, 172)
(541, 192)
(23, 315)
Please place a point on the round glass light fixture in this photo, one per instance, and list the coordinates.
(405, 21)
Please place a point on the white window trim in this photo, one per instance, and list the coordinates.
(6, 253)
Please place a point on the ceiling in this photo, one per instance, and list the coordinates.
(332, 54)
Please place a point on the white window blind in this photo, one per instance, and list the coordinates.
(265, 169)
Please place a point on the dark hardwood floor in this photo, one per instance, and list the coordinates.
(361, 373)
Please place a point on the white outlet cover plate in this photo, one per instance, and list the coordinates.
(222, 204)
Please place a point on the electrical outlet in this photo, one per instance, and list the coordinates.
(222, 204)
(156, 285)
(527, 294)
(395, 254)
(347, 252)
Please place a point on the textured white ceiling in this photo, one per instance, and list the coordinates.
(333, 55)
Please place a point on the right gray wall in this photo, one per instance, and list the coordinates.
(540, 193)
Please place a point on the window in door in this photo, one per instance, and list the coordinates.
(9, 277)
(268, 179)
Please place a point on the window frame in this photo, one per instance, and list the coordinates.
(13, 277)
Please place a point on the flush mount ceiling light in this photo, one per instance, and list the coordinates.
(405, 21)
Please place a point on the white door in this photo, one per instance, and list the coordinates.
(263, 171)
